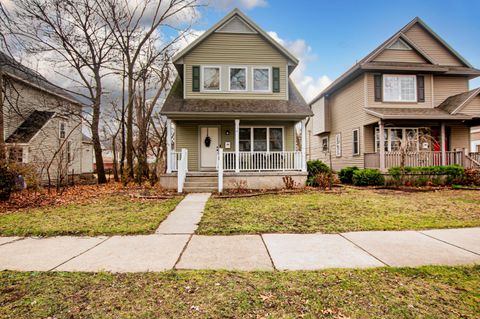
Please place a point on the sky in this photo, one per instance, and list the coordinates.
(330, 36)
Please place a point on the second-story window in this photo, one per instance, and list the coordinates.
(211, 78)
(399, 88)
(62, 130)
(238, 79)
(261, 79)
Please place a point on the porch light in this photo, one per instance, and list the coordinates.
(227, 132)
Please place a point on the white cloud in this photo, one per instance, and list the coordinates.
(307, 84)
(246, 4)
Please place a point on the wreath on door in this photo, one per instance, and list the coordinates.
(208, 140)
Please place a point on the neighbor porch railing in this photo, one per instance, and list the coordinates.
(263, 161)
(182, 165)
(372, 160)
(175, 157)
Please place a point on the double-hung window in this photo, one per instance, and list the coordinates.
(62, 130)
(356, 142)
(261, 139)
(211, 77)
(325, 144)
(261, 79)
(398, 137)
(238, 79)
(338, 144)
(399, 88)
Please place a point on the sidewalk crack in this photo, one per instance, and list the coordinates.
(181, 253)
(446, 242)
(268, 252)
(357, 245)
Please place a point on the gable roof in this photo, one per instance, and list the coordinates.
(454, 104)
(30, 126)
(367, 62)
(235, 13)
(293, 108)
(22, 73)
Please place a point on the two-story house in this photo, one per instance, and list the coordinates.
(42, 124)
(406, 102)
(233, 113)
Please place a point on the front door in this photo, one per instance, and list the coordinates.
(209, 141)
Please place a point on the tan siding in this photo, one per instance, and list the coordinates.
(371, 95)
(445, 86)
(369, 139)
(431, 46)
(459, 137)
(389, 55)
(224, 49)
(472, 108)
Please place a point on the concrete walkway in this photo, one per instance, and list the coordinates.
(174, 246)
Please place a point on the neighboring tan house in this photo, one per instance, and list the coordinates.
(415, 89)
(88, 155)
(42, 125)
(235, 111)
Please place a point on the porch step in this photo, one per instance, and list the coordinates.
(201, 183)
(198, 179)
(200, 189)
(189, 183)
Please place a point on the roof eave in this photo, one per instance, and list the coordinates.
(233, 115)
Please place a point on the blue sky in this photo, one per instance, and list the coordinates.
(338, 33)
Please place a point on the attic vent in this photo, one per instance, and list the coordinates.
(235, 25)
(399, 45)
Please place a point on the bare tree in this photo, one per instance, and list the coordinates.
(77, 37)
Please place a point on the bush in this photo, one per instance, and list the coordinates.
(314, 168)
(424, 175)
(346, 174)
(368, 177)
(7, 181)
(472, 177)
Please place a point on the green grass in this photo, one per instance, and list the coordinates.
(349, 210)
(113, 215)
(427, 292)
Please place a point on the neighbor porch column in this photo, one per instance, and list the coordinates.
(237, 146)
(169, 146)
(381, 129)
(304, 147)
(443, 146)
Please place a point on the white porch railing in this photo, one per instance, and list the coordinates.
(174, 158)
(220, 169)
(263, 161)
(423, 158)
(182, 166)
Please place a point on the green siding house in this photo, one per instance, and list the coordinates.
(234, 117)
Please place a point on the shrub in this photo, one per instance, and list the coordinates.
(7, 181)
(368, 177)
(323, 180)
(472, 177)
(435, 175)
(346, 174)
(314, 168)
(289, 182)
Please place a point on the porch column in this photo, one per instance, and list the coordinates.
(237, 146)
(304, 147)
(169, 145)
(381, 129)
(444, 144)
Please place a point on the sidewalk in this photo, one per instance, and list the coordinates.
(174, 246)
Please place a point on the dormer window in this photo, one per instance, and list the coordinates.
(261, 79)
(399, 88)
(399, 45)
(238, 78)
(211, 78)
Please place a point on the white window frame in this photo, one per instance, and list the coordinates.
(415, 89)
(358, 141)
(388, 140)
(230, 67)
(324, 138)
(269, 68)
(64, 129)
(268, 137)
(202, 75)
(338, 144)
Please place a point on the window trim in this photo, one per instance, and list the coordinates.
(251, 127)
(230, 67)
(321, 143)
(338, 145)
(269, 68)
(358, 141)
(415, 98)
(408, 48)
(202, 77)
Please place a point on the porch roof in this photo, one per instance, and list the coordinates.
(455, 103)
(32, 124)
(414, 113)
(293, 108)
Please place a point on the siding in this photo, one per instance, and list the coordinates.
(431, 46)
(472, 108)
(187, 136)
(389, 55)
(459, 137)
(224, 49)
(446, 86)
(371, 95)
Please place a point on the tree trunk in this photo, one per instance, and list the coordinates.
(131, 92)
(122, 128)
(3, 151)
(115, 164)
(97, 147)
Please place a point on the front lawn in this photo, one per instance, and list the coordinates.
(427, 292)
(342, 211)
(105, 215)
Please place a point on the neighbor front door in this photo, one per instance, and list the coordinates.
(208, 150)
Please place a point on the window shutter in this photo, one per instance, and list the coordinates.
(276, 79)
(378, 87)
(196, 79)
(420, 88)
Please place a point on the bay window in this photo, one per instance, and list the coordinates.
(238, 79)
(399, 88)
(211, 78)
(261, 139)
